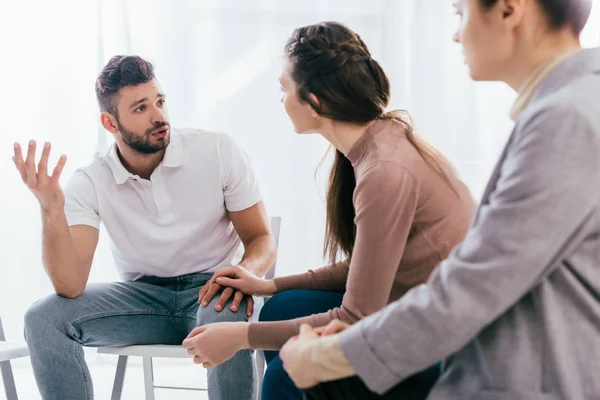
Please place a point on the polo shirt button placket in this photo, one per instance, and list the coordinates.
(160, 195)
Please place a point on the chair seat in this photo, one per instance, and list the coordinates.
(149, 350)
(10, 351)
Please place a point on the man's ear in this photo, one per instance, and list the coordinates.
(109, 122)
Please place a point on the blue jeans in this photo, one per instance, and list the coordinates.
(290, 304)
(151, 310)
(277, 385)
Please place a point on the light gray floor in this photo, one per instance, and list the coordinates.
(102, 367)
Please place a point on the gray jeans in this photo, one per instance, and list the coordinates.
(148, 311)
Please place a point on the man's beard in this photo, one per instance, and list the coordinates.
(142, 143)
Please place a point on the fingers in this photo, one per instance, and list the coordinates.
(30, 165)
(228, 272)
(213, 289)
(237, 300)
(335, 326)
(233, 283)
(27, 168)
(200, 360)
(285, 349)
(194, 332)
(225, 296)
(19, 162)
(205, 290)
(43, 164)
(249, 306)
(18, 152)
(58, 169)
(306, 329)
(322, 329)
(205, 364)
(307, 332)
(202, 292)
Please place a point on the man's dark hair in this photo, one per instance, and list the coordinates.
(119, 72)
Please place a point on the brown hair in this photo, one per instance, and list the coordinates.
(333, 63)
(559, 13)
(120, 71)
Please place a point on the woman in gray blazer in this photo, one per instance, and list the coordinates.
(515, 309)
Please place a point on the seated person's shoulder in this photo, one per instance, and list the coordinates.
(95, 171)
(564, 107)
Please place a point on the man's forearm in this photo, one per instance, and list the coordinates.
(259, 255)
(60, 256)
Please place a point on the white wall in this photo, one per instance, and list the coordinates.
(219, 63)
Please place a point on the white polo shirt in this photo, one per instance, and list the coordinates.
(176, 223)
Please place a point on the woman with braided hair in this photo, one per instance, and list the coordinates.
(395, 209)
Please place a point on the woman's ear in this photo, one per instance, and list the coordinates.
(512, 11)
(314, 100)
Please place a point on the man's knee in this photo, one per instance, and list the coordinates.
(209, 315)
(43, 314)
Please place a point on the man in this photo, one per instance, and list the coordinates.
(514, 311)
(176, 206)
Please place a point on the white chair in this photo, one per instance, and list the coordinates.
(10, 351)
(148, 352)
(259, 355)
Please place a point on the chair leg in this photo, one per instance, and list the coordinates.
(119, 378)
(148, 378)
(9, 382)
(260, 370)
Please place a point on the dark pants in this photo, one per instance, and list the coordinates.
(277, 385)
(290, 304)
(416, 387)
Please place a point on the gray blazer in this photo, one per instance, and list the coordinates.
(515, 308)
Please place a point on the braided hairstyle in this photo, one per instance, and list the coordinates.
(333, 63)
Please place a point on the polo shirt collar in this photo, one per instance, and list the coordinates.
(173, 158)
